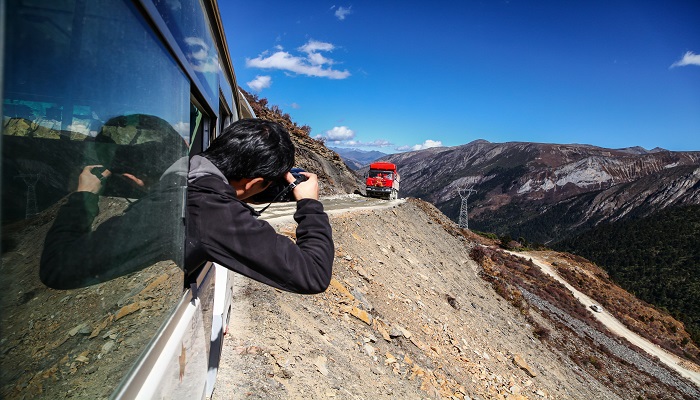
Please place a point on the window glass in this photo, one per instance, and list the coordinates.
(198, 121)
(226, 90)
(187, 23)
(224, 119)
(381, 174)
(90, 256)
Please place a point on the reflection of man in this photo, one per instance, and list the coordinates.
(143, 156)
(221, 227)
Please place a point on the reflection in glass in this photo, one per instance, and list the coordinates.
(226, 91)
(381, 174)
(191, 30)
(87, 83)
(76, 255)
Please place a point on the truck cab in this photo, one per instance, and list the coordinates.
(383, 181)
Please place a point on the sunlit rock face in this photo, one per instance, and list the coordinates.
(548, 191)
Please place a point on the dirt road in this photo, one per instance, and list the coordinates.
(280, 213)
(616, 326)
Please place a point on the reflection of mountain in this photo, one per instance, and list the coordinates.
(55, 163)
(40, 129)
(29, 148)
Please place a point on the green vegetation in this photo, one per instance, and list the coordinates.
(657, 258)
(487, 235)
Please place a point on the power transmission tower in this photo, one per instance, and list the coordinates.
(463, 214)
(30, 180)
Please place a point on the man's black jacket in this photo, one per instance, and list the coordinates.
(223, 229)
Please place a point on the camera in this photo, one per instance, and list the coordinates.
(280, 191)
(137, 160)
(116, 185)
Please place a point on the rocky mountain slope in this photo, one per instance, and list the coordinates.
(546, 192)
(419, 308)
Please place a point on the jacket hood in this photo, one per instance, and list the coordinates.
(200, 166)
(178, 168)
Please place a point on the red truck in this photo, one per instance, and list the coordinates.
(383, 181)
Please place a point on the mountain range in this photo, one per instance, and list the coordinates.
(356, 158)
(548, 192)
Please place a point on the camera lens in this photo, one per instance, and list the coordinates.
(280, 191)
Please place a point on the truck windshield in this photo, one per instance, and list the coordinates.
(381, 174)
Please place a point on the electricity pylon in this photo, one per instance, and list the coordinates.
(463, 214)
(30, 180)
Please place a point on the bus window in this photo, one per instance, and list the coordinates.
(199, 131)
(188, 24)
(94, 144)
(224, 118)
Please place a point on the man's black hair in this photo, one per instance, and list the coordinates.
(252, 148)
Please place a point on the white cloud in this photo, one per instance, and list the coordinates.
(377, 143)
(183, 128)
(689, 58)
(79, 127)
(340, 133)
(212, 66)
(199, 47)
(174, 5)
(199, 57)
(260, 82)
(318, 59)
(310, 65)
(344, 136)
(295, 106)
(426, 145)
(314, 45)
(342, 12)
(358, 143)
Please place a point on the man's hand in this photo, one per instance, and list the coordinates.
(307, 189)
(91, 181)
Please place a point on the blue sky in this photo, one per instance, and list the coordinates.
(396, 76)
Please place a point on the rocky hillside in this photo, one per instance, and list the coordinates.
(546, 192)
(312, 155)
(419, 308)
